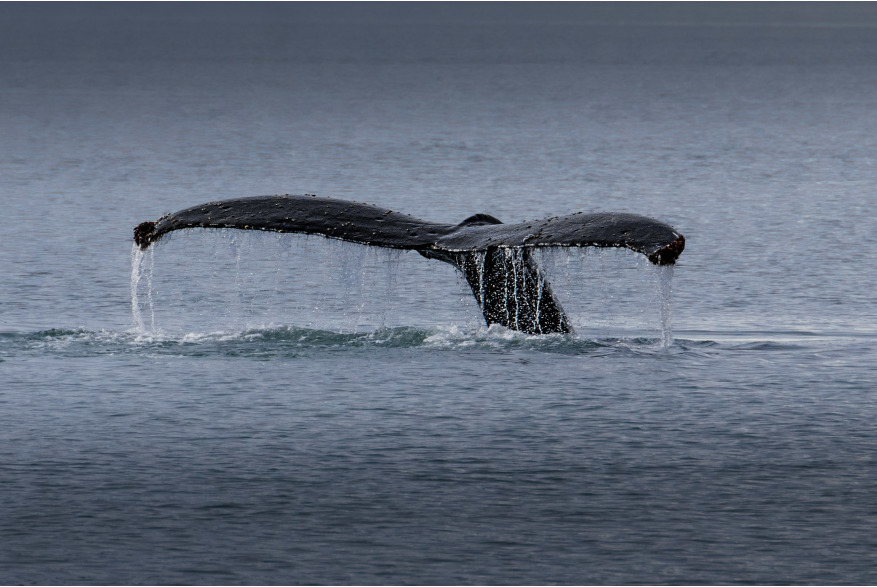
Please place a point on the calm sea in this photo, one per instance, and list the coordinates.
(252, 408)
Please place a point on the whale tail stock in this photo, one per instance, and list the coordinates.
(508, 285)
(495, 258)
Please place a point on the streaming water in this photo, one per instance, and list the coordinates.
(294, 280)
(136, 261)
(664, 279)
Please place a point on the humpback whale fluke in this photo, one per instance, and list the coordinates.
(494, 257)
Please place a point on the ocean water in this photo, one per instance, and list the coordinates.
(233, 407)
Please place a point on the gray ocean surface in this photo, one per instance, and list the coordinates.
(275, 409)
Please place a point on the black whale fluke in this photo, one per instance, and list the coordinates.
(494, 257)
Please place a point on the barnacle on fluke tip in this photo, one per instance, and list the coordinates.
(495, 257)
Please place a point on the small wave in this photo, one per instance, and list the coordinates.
(291, 342)
(497, 338)
(766, 345)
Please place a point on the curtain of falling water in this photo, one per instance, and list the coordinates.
(233, 280)
(237, 281)
(608, 293)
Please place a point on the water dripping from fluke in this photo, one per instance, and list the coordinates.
(495, 258)
(136, 262)
(665, 301)
(142, 266)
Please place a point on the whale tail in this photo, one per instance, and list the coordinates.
(495, 258)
